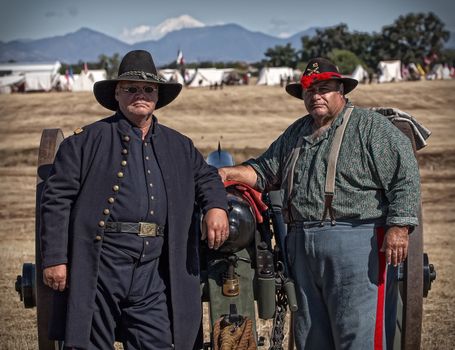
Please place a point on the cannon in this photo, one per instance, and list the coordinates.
(252, 268)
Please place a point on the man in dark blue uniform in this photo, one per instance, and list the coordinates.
(116, 212)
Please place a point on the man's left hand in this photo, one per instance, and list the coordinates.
(395, 244)
(215, 227)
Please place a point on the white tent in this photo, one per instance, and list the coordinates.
(38, 77)
(206, 77)
(97, 74)
(86, 80)
(37, 81)
(360, 74)
(9, 83)
(390, 71)
(172, 75)
(439, 72)
(275, 75)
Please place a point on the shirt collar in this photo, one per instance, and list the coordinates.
(128, 128)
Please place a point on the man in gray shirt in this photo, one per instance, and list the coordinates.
(341, 239)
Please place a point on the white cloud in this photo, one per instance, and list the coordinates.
(145, 32)
(284, 35)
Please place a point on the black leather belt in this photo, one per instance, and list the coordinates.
(142, 229)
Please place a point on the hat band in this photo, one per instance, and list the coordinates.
(142, 74)
(307, 80)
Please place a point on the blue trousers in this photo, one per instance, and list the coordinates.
(130, 299)
(341, 285)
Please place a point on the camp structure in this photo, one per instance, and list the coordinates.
(360, 74)
(438, 72)
(86, 80)
(202, 77)
(389, 71)
(11, 83)
(275, 75)
(36, 76)
(172, 75)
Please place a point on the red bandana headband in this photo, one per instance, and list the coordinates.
(307, 80)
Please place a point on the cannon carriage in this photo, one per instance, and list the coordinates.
(255, 269)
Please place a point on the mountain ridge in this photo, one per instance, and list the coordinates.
(228, 42)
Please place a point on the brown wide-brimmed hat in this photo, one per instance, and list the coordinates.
(319, 69)
(137, 65)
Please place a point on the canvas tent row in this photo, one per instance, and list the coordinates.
(275, 75)
(172, 75)
(83, 81)
(86, 80)
(389, 71)
(203, 77)
(36, 77)
(439, 71)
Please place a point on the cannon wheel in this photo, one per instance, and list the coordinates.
(50, 141)
(410, 297)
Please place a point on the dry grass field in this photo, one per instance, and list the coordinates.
(245, 119)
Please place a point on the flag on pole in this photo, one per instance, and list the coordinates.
(180, 61)
(85, 68)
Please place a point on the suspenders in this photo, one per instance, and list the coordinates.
(331, 169)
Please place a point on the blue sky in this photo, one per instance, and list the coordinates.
(126, 19)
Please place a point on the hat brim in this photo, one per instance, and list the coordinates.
(104, 92)
(295, 89)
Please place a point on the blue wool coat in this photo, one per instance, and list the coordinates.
(76, 194)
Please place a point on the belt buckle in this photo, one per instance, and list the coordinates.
(147, 229)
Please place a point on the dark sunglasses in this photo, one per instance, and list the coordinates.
(145, 89)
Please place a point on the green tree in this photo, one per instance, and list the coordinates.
(281, 56)
(345, 60)
(324, 41)
(412, 37)
(110, 64)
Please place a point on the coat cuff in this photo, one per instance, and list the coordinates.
(53, 260)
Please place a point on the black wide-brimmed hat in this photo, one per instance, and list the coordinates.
(319, 69)
(136, 66)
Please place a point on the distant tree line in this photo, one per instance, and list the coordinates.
(417, 38)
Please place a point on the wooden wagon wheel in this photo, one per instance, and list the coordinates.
(50, 141)
(410, 298)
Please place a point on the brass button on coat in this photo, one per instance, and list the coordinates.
(124, 151)
(119, 174)
(126, 138)
(101, 223)
(111, 199)
(98, 238)
(106, 211)
(115, 188)
(123, 162)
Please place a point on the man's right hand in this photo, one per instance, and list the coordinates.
(55, 277)
(241, 173)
